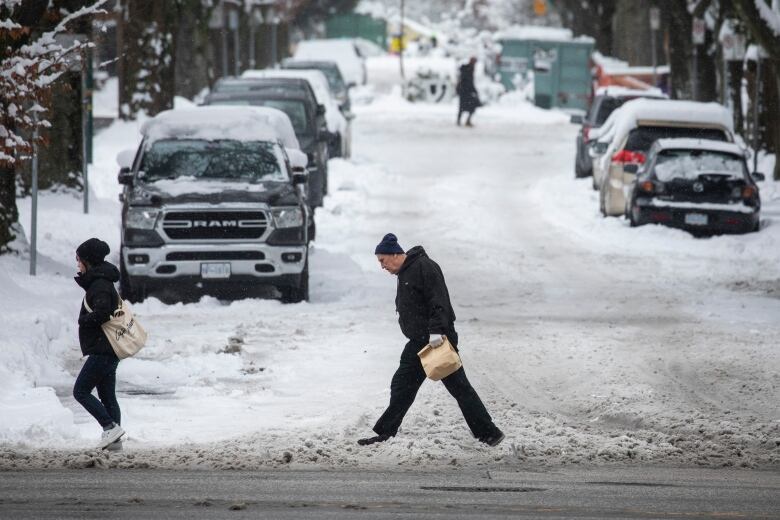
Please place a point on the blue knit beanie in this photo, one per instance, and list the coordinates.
(389, 246)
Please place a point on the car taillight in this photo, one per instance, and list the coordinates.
(628, 157)
(748, 192)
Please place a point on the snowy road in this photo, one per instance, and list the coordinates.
(589, 342)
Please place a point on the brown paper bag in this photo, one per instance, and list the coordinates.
(439, 362)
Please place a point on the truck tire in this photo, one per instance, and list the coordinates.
(125, 288)
(299, 293)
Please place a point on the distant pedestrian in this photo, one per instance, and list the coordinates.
(468, 98)
(426, 317)
(97, 278)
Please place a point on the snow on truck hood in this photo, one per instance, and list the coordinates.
(244, 123)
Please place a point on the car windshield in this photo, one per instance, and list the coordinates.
(228, 160)
(642, 138)
(690, 164)
(295, 110)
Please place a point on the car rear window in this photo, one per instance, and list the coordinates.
(690, 164)
(642, 138)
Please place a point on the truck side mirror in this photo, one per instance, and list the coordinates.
(320, 110)
(125, 176)
(300, 175)
(758, 176)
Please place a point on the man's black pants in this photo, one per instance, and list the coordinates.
(407, 381)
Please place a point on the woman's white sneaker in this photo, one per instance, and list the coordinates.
(111, 436)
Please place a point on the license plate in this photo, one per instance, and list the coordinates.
(696, 219)
(212, 271)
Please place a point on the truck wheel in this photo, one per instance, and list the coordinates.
(297, 294)
(125, 288)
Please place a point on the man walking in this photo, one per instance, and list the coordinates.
(468, 98)
(426, 317)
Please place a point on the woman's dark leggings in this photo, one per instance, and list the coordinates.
(99, 371)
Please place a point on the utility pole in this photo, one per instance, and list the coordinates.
(655, 25)
(84, 132)
(699, 28)
(34, 212)
(401, 43)
(224, 38)
(756, 103)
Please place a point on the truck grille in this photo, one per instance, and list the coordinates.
(215, 225)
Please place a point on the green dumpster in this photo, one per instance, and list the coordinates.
(560, 66)
(353, 25)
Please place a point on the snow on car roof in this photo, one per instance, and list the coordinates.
(682, 143)
(223, 122)
(661, 111)
(618, 91)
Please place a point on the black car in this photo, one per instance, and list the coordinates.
(304, 113)
(606, 101)
(699, 185)
(332, 72)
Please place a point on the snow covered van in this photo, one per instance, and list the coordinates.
(213, 204)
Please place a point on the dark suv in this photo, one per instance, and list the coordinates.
(295, 98)
(606, 101)
(335, 80)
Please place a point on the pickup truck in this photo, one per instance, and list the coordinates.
(214, 203)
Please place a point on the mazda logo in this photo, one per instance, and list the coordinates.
(698, 187)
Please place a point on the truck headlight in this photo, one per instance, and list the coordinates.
(288, 218)
(142, 218)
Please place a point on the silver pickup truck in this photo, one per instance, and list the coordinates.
(213, 204)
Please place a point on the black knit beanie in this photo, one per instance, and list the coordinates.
(389, 246)
(93, 251)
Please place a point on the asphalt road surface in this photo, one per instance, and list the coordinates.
(603, 493)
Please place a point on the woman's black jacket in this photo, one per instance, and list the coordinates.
(102, 298)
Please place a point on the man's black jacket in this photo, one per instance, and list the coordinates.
(423, 302)
(102, 298)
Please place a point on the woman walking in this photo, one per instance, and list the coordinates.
(97, 278)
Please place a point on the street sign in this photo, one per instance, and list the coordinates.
(699, 29)
(655, 18)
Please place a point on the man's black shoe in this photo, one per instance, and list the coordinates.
(495, 439)
(373, 440)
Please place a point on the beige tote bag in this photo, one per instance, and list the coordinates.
(123, 331)
(441, 361)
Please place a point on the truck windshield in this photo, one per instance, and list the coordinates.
(251, 161)
(689, 164)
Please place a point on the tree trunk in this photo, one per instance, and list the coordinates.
(590, 19)
(9, 214)
(631, 34)
(735, 75)
(194, 62)
(146, 68)
(59, 159)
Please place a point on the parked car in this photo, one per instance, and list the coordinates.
(702, 186)
(640, 123)
(333, 74)
(212, 205)
(341, 143)
(605, 102)
(343, 51)
(303, 113)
